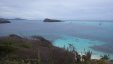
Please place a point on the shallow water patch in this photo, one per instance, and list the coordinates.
(80, 44)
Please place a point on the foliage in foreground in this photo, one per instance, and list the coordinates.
(17, 50)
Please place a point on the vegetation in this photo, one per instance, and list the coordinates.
(37, 50)
(105, 57)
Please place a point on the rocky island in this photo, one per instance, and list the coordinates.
(2, 20)
(18, 19)
(51, 20)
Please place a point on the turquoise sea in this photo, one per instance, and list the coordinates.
(93, 35)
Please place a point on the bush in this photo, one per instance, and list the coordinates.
(25, 46)
(105, 57)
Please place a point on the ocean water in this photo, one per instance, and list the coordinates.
(96, 36)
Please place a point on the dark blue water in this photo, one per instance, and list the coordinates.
(96, 36)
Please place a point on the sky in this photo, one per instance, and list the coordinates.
(57, 9)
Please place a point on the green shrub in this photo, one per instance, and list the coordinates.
(105, 57)
(25, 46)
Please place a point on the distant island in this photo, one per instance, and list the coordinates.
(51, 20)
(16, 19)
(2, 20)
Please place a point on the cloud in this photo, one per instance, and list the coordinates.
(59, 9)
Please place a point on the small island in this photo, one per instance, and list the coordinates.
(18, 19)
(2, 20)
(51, 20)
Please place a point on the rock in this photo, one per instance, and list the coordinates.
(2, 20)
(15, 36)
(51, 20)
(32, 51)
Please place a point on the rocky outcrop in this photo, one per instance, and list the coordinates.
(51, 20)
(2, 20)
(36, 49)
